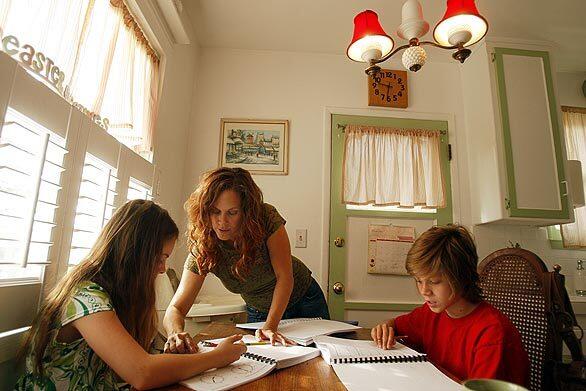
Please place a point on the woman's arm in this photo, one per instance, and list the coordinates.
(280, 253)
(174, 320)
(109, 339)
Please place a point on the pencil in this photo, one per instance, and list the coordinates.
(257, 343)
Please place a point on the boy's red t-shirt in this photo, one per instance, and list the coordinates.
(482, 344)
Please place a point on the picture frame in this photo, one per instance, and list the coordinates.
(259, 146)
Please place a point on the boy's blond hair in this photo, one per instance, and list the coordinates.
(449, 250)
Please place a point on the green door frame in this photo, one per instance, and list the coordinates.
(339, 213)
(514, 210)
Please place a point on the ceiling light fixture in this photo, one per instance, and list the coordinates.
(461, 26)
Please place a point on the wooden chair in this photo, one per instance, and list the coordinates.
(512, 280)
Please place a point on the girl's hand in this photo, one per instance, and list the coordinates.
(274, 336)
(383, 336)
(180, 343)
(228, 351)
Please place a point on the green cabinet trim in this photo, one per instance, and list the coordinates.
(502, 94)
(339, 213)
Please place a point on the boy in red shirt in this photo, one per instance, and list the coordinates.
(457, 329)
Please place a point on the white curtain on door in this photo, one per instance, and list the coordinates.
(574, 234)
(390, 166)
(109, 66)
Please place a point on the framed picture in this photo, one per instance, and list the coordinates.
(259, 146)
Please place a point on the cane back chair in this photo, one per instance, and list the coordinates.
(512, 280)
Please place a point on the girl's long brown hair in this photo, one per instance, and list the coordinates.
(203, 242)
(123, 261)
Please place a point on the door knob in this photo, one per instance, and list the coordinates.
(338, 288)
(339, 242)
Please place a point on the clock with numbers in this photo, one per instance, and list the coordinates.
(388, 88)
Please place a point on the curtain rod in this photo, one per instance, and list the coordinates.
(343, 127)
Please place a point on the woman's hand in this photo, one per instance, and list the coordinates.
(383, 335)
(273, 336)
(180, 343)
(228, 351)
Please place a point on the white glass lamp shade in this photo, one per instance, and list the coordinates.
(462, 24)
(365, 48)
(446, 33)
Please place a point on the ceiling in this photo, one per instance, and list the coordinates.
(325, 26)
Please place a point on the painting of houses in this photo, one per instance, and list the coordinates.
(253, 147)
(256, 146)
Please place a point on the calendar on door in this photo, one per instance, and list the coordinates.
(388, 246)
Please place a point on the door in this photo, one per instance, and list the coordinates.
(350, 287)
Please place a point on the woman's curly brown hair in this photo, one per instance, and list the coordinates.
(203, 242)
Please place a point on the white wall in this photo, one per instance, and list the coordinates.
(178, 74)
(570, 89)
(297, 87)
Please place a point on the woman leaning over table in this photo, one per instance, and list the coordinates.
(242, 240)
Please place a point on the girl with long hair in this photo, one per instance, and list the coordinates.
(242, 240)
(96, 326)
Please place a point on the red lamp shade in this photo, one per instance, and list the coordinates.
(461, 24)
(370, 40)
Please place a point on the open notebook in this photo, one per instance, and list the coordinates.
(303, 330)
(361, 365)
(342, 351)
(257, 362)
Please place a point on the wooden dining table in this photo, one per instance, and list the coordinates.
(314, 374)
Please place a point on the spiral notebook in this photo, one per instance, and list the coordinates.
(257, 362)
(344, 351)
(304, 330)
(361, 365)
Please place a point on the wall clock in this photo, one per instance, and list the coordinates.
(388, 88)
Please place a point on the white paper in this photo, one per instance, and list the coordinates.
(240, 372)
(302, 330)
(285, 356)
(339, 348)
(417, 376)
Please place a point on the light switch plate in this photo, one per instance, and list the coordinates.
(301, 238)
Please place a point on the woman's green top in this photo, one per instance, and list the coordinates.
(258, 287)
(74, 366)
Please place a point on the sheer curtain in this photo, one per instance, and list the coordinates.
(109, 66)
(389, 166)
(574, 234)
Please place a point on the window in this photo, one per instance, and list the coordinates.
(95, 206)
(107, 64)
(138, 190)
(573, 235)
(61, 178)
(31, 164)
